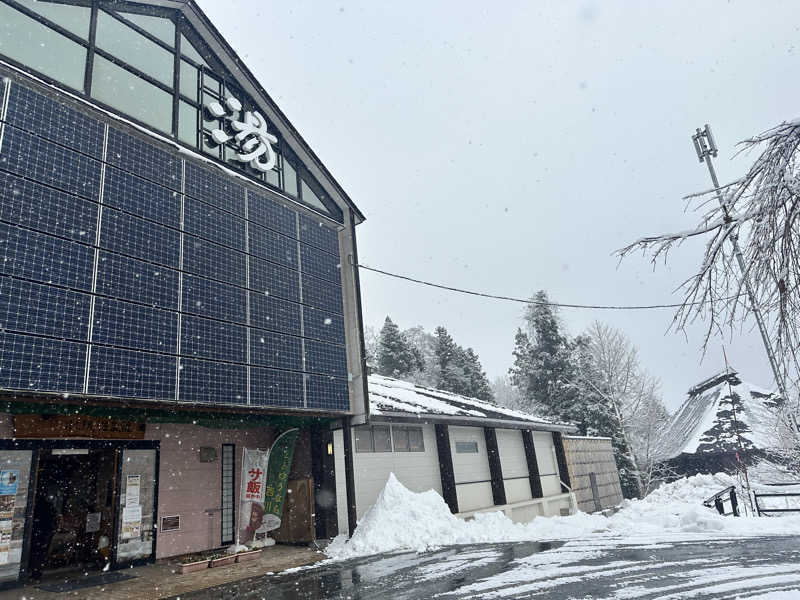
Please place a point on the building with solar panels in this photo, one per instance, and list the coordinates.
(176, 284)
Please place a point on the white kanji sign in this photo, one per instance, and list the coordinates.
(250, 133)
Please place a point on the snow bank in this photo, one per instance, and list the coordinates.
(405, 520)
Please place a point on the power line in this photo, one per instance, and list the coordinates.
(528, 300)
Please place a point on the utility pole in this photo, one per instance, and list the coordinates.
(706, 148)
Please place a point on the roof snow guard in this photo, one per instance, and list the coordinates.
(400, 401)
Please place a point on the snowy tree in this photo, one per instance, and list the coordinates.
(458, 370)
(760, 211)
(424, 345)
(371, 345)
(396, 357)
(623, 402)
(478, 383)
(504, 393)
(543, 363)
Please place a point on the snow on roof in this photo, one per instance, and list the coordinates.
(387, 395)
(704, 423)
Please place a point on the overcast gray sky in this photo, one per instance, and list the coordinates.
(513, 146)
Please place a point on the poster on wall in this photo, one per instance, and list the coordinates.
(131, 522)
(264, 480)
(133, 485)
(9, 482)
(6, 524)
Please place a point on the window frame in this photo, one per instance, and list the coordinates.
(406, 432)
(461, 445)
(182, 30)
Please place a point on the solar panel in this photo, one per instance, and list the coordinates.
(132, 236)
(326, 295)
(131, 279)
(326, 359)
(320, 264)
(274, 314)
(211, 382)
(213, 187)
(44, 209)
(270, 387)
(38, 159)
(327, 393)
(119, 323)
(213, 261)
(131, 374)
(42, 364)
(55, 121)
(145, 160)
(271, 214)
(273, 280)
(272, 246)
(45, 258)
(270, 349)
(36, 308)
(133, 194)
(213, 299)
(213, 224)
(206, 338)
(315, 233)
(323, 325)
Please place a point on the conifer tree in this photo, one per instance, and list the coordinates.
(396, 356)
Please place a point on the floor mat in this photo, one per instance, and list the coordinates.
(84, 582)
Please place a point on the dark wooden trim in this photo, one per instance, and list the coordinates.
(495, 468)
(561, 460)
(533, 466)
(446, 467)
(349, 478)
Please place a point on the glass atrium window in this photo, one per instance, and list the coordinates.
(187, 123)
(118, 39)
(29, 42)
(162, 28)
(74, 19)
(289, 178)
(188, 80)
(131, 94)
(310, 198)
(188, 50)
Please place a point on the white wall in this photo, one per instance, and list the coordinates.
(471, 471)
(418, 471)
(546, 459)
(341, 486)
(514, 465)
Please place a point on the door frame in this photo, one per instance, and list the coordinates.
(37, 446)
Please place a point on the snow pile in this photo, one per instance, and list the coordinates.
(405, 520)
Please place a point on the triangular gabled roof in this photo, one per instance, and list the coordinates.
(223, 51)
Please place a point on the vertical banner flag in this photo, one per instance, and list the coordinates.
(251, 496)
(278, 467)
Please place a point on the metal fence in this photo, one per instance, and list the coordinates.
(767, 504)
(720, 499)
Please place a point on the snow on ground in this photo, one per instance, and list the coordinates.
(405, 520)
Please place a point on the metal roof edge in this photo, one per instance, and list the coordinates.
(401, 417)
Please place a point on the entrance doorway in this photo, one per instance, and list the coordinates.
(73, 512)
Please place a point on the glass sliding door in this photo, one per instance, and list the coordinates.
(136, 518)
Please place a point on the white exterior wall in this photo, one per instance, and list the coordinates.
(418, 471)
(471, 471)
(514, 464)
(341, 486)
(546, 459)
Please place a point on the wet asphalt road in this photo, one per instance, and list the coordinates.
(598, 569)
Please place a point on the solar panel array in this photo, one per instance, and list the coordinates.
(126, 271)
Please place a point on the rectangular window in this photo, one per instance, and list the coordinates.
(132, 95)
(125, 43)
(40, 48)
(74, 19)
(363, 435)
(228, 480)
(171, 523)
(466, 447)
(162, 28)
(188, 80)
(289, 178)
(187, 123)
(373, 439)
(408, 439)
(382, 440)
